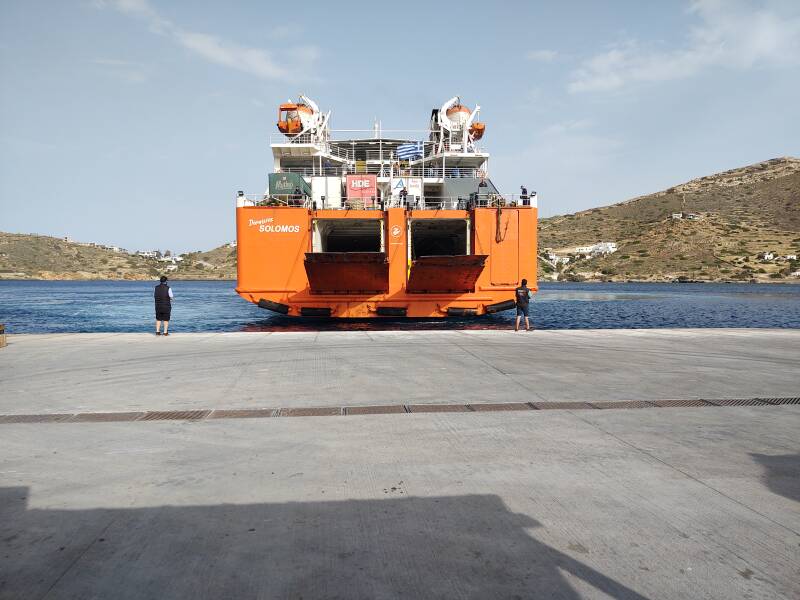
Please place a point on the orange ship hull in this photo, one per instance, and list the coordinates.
(376, 263)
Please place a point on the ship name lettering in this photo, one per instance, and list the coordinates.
(279, 228)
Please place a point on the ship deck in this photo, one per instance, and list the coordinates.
(455, 490)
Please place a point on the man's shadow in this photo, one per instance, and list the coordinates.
(442, 547)
(782, 473)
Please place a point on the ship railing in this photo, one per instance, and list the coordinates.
(388, 170)
(336, 142)
(247, 200)
(409, 202)
(467, 202)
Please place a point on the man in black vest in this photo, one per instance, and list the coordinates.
(163, 298)
(522, 296)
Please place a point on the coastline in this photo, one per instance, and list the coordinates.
(795, 281)
(96, 279)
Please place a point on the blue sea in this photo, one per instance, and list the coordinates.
(127, 306)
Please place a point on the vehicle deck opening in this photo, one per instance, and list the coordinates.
(348, 235)
(440, 257)
(348, 257)
(439, 237)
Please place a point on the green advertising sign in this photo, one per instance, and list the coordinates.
(282, 184)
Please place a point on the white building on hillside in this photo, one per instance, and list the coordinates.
(171, 259)
(598, 248)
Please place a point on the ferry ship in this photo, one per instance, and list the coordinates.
(383, 224)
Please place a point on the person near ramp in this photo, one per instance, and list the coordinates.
(522, 297)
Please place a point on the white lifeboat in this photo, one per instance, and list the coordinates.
(458, 114)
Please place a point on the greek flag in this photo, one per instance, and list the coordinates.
(409, 151)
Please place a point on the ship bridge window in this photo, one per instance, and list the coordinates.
(439, 237)
(348, 235)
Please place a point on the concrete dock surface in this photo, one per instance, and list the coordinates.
(121, 372)
(681, 502)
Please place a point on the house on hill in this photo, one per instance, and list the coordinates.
(689, 216)
(598, 248)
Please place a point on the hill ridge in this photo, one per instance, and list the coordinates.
(736, 215)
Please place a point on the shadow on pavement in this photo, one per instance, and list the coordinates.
(782, 473)
(278, 323)
(442, 547)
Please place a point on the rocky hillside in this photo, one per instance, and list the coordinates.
(737, 216)
(24, 256)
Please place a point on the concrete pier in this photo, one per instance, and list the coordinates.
(694, 501)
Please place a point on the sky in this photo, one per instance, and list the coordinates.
(134, 122)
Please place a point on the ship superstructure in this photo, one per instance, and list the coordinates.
(378, 223)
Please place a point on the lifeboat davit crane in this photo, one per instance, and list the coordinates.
(302, 117)
(460, 124)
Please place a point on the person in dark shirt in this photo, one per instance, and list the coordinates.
(522, 296)
(297, 197)
(163, 298)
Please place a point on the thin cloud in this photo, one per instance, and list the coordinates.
(123, 70)
(255, 61)
(541, 55)
(250, 60)
(732, 36)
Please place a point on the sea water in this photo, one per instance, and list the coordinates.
(127, 306)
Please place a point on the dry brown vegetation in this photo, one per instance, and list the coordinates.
(25, 256)
(742, 213)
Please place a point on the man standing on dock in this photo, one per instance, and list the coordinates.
(163, 298)
(522, 296)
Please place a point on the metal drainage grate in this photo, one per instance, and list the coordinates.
(737, 402)
(52, 418)
(330, 411)
(437, 408)
(195, 415)
(500, 406)
(624, 404)
(244, 413)
(174, 415)
(561, 405)
(780, 400)
(679, 403)
(106, 417)
(375, 410)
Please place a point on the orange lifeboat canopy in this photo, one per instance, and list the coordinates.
(477, 130)
(458, 113)
(290, 117)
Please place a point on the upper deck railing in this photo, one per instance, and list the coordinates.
(388, 170)
(409, 202)
(342, 143)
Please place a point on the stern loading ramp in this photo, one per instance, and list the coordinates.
(349, 257)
